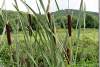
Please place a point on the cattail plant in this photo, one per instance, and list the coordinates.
(68, 55)
(50, 25)
(68, 50)
(30, 24)
(8, 30)
(49, 18)
(53, 38)
(69, 25)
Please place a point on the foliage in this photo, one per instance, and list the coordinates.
(46, 47)
(91, 19)
(87, 52)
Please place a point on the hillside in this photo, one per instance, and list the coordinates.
(75, 12)
(62, 12)
(60, 16)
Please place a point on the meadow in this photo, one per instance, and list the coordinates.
(87, 53)
(65, 38)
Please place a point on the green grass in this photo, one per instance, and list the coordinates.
(87, 54)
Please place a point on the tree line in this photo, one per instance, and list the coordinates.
(91, 21)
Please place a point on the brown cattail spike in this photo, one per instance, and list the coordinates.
(50, 24)
(49, 19)
(29, 19)
(30, 24)
(8, 30)
(68, 55)
(69, 25)
(49, 16)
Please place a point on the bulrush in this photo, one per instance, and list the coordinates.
(68, 50)
(49, 16)
(51, 27)
(50, 23)
(68, 55)
(49, 19)
(29, 19)
(8, 30)
(30, 24)
(69, 25)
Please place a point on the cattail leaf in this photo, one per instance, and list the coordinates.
(16, 7)
(41, 2)
(48, 6)
(31, 57)
(78, 26)
(3, 33)
(38, 7)
(16, 3)
(49, 63)
(81, 4)
(2, 4)
(84, 15)
(57, 5)
(29, 7)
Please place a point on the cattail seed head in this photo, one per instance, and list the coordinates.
(29, 19)
(49, 16)
(40, 62)
(30, 24)
(51, 26)
(69, 25)
(49, 19)
(8, 30)
(68, 55)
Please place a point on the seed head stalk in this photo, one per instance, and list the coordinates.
(69, 49)
(52, 27)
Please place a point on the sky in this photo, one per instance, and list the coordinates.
(91, 5)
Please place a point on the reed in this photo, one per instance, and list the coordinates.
(69, 25)
(8, 31)
(68, 50)
(30, 24)
(49, 19)
(43, 42)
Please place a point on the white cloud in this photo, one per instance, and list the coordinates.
(92, 5)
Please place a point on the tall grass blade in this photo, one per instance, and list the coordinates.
(48, 6)
(57, 5)
(41, 2)
(84, 15)
(38, 7)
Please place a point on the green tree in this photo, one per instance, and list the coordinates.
(90, 23)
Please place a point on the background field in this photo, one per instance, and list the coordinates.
(87, 47)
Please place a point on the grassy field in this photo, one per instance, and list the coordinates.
(87, 47)
(87, 53)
